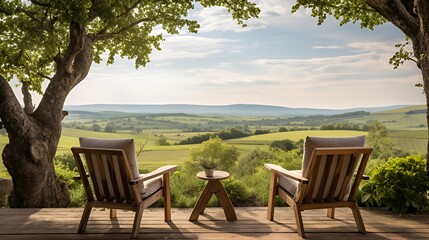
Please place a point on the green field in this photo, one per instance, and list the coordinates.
(265, 139)
(154, 156)
(407, 130)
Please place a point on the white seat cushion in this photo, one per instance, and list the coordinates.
(151, 186)
(289, 185)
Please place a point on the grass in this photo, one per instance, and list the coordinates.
(411, 141)
(265, 139)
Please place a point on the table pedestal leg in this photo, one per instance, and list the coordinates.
(225, 202)
(201, 204)
(213, 187)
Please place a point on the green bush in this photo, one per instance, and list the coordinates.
(237, 192)
(68, 160)
(401, 184)
(76, 191)
(248, 165)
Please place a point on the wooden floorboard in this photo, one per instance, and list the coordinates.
(62, 223)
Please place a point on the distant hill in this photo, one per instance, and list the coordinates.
(233, 110)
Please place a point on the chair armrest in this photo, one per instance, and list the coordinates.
(158, 172)
(280, 170)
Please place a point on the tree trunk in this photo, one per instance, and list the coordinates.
(412, 17)
(34, 137)
(33, 140)
(29, 161)
(421, 50)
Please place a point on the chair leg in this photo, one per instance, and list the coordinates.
(331, 213)
(299, 223)
(167, 197)
(272, 197)
(112, 213)
(84, 219)
(358, 219)
(137, 221)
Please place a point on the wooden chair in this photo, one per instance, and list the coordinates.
(328, 181)
(109, 182)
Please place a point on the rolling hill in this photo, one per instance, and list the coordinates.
(232, 110)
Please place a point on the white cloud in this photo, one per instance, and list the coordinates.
(190, 47)
(219, 19)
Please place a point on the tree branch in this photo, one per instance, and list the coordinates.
(397, 13)
(128, 10)
(28, 101)
(83, 62)
(28, 13)
(40, 3)
(12, 115)
(44, 76)
(77, 39)
(103, 35)
(422, 10)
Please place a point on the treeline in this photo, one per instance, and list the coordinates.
(314, 120)
(345, 126)
(418, 111)
(224, 135)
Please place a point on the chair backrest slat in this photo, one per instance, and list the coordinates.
(103, 175)
(314, 166)
(359, 174)
(336, 178)
(113, 180)
(127, 189)
(345, 183)
(82, 172)
(93, 174)
(324, 178)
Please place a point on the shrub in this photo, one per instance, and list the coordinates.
(237, 192)
(68, 160)
(247, 165)
(162, 141)
(287, 145)
(225, 155)
(400, 184)
(76, 191)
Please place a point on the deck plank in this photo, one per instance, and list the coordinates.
(62, 223)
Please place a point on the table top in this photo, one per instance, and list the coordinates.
(217, 175)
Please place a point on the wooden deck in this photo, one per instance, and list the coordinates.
(251, 224)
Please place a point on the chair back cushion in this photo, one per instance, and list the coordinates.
(319, 142)
(125, 144)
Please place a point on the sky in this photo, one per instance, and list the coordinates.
(280, 59)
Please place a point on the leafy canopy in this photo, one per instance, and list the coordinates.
(343, 10)
(35, 35)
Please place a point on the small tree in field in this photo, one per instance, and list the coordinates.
(223, 154)
(57, 41)
(410, 16)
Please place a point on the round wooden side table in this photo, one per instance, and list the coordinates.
(214, 186)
